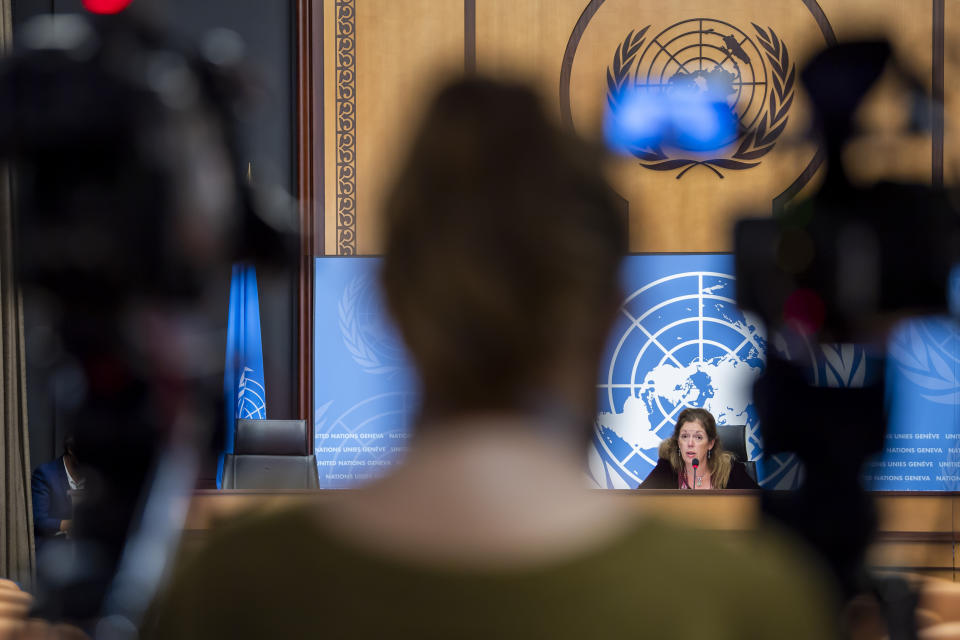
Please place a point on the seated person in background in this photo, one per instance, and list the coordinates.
(695, 439)
(503, 245)
(51, 484)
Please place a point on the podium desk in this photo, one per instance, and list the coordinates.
(918, 532)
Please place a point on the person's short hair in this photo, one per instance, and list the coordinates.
(503, 244)
(69, 444)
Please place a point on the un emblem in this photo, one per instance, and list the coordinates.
(681, 342)
(366, 333)
(251, 396)
(364, 441)
(752, 74)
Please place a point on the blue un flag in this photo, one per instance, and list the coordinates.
(243, 383)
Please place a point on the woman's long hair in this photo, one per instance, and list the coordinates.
(719, 462)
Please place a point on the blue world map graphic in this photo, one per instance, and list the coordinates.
(679, 340)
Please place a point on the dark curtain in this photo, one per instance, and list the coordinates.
(16, 531)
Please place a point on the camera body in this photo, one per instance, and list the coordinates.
(841, 266)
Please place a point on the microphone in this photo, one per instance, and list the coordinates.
(695, 463)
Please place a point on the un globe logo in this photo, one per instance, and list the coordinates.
(364, 441)
(747, 79)
(711, 58)
(680, 342)
(371, 341)
(251, 396)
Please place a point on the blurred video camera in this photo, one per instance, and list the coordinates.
(842, 265)
(131, 208)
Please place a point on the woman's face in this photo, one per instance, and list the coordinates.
(693, 442)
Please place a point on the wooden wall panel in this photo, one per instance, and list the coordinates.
(916, 512)
(932, 556)
(565, 48)
(401, 51)
(890, 151)
(951, 91)
(693, 211)
(526, 41)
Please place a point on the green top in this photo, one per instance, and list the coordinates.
(285, 576)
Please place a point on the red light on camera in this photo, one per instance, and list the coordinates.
(106, 6)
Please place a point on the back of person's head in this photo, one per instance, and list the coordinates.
(503, 245)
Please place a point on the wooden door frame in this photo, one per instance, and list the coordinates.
(310, 189)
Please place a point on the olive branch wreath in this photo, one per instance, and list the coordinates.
(755, 143)
(361, 352)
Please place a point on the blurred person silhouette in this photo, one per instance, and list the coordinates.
(15, 623)
(51, 484)
(503, 246)
(130, 211)
(694, 458)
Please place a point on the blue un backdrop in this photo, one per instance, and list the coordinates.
(679, 341)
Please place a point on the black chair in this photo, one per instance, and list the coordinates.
(271, 454)
(733, 438)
